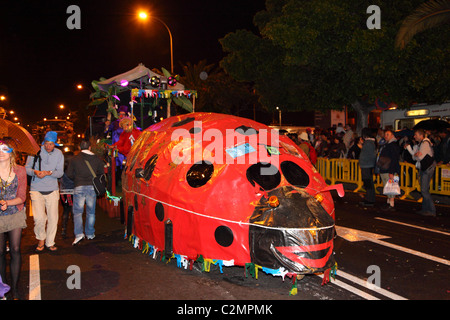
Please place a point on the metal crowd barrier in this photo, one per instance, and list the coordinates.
(348, 171)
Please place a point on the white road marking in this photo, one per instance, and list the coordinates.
(413, 226)
(362, 283)
(354, 290)
(35, 279)
(366, 285)
(358, 235)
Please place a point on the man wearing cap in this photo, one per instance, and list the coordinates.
(44, 190)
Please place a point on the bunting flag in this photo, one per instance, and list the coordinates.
(294, 289)
(153, 93)
(250, 268)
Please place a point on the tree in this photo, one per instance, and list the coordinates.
(320, 54)
(428, 15)
(217, 91)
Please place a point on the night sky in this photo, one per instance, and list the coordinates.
(41, 60)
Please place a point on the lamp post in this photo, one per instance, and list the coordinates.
(279, 116)
(144, 16)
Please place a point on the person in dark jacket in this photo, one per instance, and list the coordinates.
(66, 195)
(388, 163)
(84, 192)
(367, 159)
(337, 148)
(355, 149)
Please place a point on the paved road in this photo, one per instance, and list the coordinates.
(406, 255)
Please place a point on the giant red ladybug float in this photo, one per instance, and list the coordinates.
(228, 189)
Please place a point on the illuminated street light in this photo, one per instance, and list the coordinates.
(79, 86)
(279, 116)
(2, 98)
(142, 15)
(61, 106)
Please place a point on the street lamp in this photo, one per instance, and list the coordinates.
(142, 15)
(279, 116)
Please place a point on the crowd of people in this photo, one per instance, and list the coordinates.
(380, 152)
(52, 179)
(47, 176)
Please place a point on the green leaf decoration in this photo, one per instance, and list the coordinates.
(183, 102)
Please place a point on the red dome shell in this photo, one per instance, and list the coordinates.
(193, 170)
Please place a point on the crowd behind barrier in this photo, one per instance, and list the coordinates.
(348, 171)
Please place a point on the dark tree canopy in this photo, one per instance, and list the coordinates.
(321, 55)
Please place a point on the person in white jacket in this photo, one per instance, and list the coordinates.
(421, 153)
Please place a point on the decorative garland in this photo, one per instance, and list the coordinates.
(250, 268)
(153, 93)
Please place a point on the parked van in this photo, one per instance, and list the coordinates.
(398, 119)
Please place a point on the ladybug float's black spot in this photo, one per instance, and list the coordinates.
(199, 174)
(182, 122)
(159, 211)
(195, 130)
(224, 236)
(264, 174)
(149, 167)
(294, 174)
(246, 131)
(139, 173)
(135, 202)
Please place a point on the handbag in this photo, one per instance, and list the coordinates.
(383, 162)
(99, 182)
(391, 188)
(426, 162)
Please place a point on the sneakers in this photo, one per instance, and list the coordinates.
(78, 239)
(388, 208)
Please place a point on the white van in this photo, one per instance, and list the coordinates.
(398, 119)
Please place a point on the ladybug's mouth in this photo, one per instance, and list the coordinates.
(297, 235)
(308, 256)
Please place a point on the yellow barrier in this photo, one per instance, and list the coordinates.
(348, 171)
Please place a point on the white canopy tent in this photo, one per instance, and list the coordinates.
(139, 79)
(140, 73)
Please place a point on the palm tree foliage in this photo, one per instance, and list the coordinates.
(428, 15)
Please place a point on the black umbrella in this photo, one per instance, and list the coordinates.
(433, 124)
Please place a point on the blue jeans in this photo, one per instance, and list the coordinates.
(425, 179)
(84, 195)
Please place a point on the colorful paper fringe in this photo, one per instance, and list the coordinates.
(162, 93)
(250, 268)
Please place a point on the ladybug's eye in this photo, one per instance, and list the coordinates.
(294, 174)
(264, 174)
(199, 174)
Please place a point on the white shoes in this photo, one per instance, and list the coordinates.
(78, 239)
